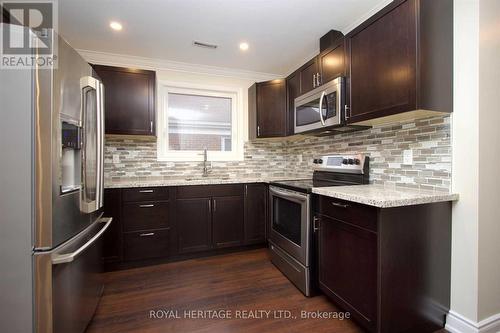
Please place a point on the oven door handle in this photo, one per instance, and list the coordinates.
(284, 194)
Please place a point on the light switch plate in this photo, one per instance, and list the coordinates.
(116, 158)
(408, 157)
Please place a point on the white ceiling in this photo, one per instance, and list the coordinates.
(281, 33)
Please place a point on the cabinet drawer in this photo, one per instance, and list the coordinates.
(145, 215)
(350, 212)
(145, 194)
(146, 244)
(205, 191)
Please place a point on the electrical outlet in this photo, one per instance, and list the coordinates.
(408, 157)
(116, 158)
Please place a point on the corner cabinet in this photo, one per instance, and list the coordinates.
(267, 111)
(401, 60)
(389, 267)
(129, 97)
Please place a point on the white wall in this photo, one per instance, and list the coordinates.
(465, 160)
(489, 155)
(475, 299)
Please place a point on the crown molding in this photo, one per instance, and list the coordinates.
(113, 59)
(348, 28)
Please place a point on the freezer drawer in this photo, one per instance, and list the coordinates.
(68, 282)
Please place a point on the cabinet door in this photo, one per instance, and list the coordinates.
(332, 63)
(193, 225)
(383, 65)
(227, 221)
(129, 97)
(271, 109)
(256, 198)
(292, 92)
(112, 238)
(308, 74)
(348, 268)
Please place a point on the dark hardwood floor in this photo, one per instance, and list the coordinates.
(238, 281)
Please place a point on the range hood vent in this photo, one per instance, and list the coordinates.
(205, 45)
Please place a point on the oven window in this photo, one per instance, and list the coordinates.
(286, 219)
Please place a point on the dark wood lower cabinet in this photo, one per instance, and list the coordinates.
(348, 267)
(194, 225)
(184, 221)
(227, 221)
(256, 202)
(389, 267)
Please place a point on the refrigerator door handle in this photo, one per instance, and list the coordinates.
(91, 193)
(69, 257)
(100, 140)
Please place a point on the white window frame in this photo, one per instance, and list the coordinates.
(237, 139)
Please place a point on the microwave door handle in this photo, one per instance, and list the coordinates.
(321, 108)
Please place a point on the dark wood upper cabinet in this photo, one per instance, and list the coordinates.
(400, 60)
(256, 198)
(227, 225)
(267, 109)
(309, 76)
(332, 63)
(292, 92)
(129, 100)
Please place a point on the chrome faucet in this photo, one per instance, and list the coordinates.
(206, 168)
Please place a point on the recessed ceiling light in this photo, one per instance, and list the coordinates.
(243, 46)
(115, 25)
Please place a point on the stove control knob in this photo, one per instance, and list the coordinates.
(344, 161)
(357, 161)
(350, 161)
(320, 161)
(315, 161)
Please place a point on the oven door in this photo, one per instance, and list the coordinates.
(290, 222)
(319, 108)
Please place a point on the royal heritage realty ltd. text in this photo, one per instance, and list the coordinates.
(224, 314)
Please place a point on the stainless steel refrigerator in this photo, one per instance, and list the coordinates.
(51, 194)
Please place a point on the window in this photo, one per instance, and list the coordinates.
(192, 119)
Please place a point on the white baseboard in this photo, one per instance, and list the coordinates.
(456, 323)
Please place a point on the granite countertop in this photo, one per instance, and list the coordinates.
(188, 181)
(385, 196)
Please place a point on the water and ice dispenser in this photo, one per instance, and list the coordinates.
(71, 157)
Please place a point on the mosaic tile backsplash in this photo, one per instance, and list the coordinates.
(292, 157)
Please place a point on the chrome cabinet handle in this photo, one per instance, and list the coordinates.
(151, 127)
(347, 111)
(315, 224)
(258, 131)
(146, 206)
(215, 205)
(209, 205)
(146, 191)
(314, 80)
(318, 80)
(147, 234)
(338, 204)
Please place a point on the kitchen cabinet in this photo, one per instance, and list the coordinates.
(129, 97)
(372, 260)
(227, 221)
(332, 62)
(267, 109)
(309, 76)
(209, 217)
(401, 62)
(292, 92)
(194, 224)
(256, 210)
(112, 238)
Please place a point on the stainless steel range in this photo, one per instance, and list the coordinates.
(292, 229)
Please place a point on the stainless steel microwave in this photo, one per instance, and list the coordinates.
(320, 108)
